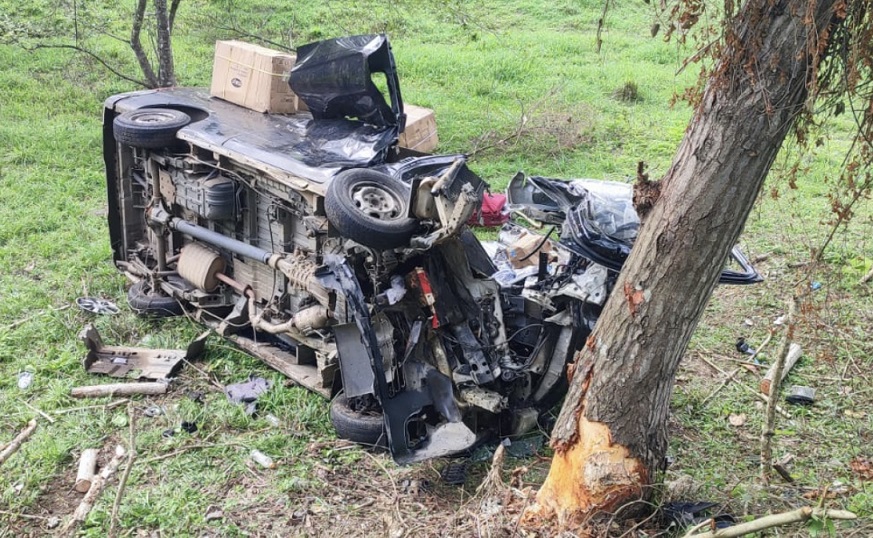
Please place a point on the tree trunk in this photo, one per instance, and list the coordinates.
(166, 69)
(610, 438)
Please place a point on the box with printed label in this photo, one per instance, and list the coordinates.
(254, 77)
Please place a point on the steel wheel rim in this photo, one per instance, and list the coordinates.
(376, 202)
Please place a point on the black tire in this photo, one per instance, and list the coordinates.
(370, 207)
(146, 301)
(362, 428)
(149, 128)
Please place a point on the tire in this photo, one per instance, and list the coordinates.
(361, 428)
(152, 303)
(370, 207)
(149, 128)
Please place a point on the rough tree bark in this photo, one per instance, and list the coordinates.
(610, 438)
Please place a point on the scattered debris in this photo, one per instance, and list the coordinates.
(780, 320)
(189, 427)
(743, 347)
(96, 305)
(815, 286)
(685, 513)
(123, 361)
(248, 392)
(737, 419)
(166, 434)
(25, 379)
(455, 472)
(16, 443)
(800, 395)
(748, 323)
(118, 389)
(196, 396)
(97, 484)
(153, 411)
(213, 514)
(262, 459)
(87, 470)
(794, 353)
(273, 420)
(52, 522)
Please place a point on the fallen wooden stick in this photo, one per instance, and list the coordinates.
(16, 443)
(118, 389)
(87, 469)
(131, 456)
(776, 374)
(775, 520)
(794, 353)
(90, 498)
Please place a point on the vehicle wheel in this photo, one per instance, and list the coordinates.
(362, 428)
(370, 207)
(146, 301)
(149, 128)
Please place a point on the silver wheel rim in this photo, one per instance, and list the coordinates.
(376, 202)
(152, 118)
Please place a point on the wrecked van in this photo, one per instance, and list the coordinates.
(314, 242)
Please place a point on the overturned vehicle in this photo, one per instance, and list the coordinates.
(318, 245)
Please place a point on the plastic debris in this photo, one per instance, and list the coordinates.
(455, 473)
(262, 459)
(743, 347)
(96, 305)
(166, 434)
(153, 411)
(273, 420)
(248, 392)
(25, 379)
(685, 513)
(800, 395)
(815, 286)
(189, 427)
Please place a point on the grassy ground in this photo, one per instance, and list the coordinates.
(521, 83)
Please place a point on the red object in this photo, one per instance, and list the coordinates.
(492, 212)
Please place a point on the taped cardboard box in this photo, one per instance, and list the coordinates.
(525, 250)
(421, 130)
(254, 77)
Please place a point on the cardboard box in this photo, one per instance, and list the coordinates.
(519, 253)
(421, 129)
(254, 77)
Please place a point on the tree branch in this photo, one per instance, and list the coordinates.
(174, 6)
(136, 45)
(92, 55)
(769, 429)
(775, 520)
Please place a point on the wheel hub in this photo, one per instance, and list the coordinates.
(376, 202)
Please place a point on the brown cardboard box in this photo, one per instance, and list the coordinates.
(519, 252)
(254, 77)
(421, 129)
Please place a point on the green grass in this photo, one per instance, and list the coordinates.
(482, 66)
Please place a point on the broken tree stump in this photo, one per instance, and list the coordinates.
(16, 443)
(118, 389)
